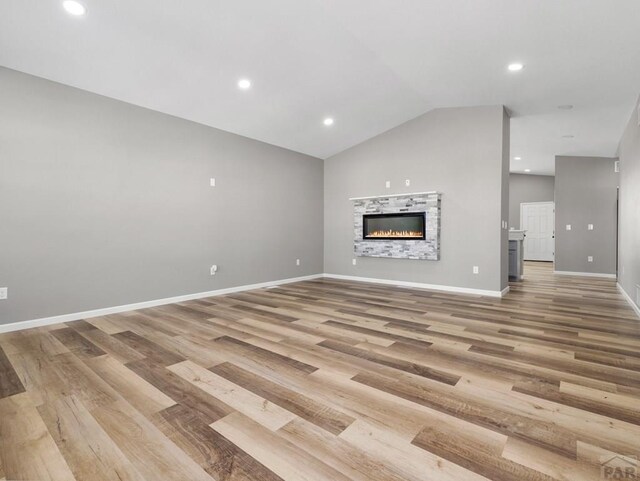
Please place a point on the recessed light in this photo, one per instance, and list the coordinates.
(565, 107)
(517, 158)
(74, 8)
(244, 84)
(515, 67)
(568, 136)
(527, 170)
(328, 121)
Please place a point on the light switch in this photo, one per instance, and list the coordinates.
(387, 184)
(212, 181)
(354, 261)
(568, 226)
(590, 259)
(407, 182)
(476, 269)
(590, 227)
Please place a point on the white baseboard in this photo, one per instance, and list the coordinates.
(47, 321)
(585, 274)
(629, 299)
(421, 285)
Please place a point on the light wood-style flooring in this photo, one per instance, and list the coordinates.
(331, 380)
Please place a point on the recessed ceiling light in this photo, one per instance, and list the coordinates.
(565, 107)
(568, 136)
(527, 170)
(517, 158)
(244, 84)
(328, 121)
(74, 8)
(515, 67)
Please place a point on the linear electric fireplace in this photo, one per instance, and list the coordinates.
(399, 226)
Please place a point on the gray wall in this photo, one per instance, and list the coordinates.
(104, 204)
(459, 152)
(629, 240)
(586, 193)
(527, 188)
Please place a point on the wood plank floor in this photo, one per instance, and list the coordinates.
(331, 380)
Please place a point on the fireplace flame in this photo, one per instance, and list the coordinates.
(394, 233)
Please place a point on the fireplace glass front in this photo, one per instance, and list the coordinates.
(400, 226)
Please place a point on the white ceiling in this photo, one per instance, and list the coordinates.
(370, 64)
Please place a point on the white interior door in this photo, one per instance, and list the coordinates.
(538, 219)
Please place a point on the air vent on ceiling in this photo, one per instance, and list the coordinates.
(616, 166)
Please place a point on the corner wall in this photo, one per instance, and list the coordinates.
(629, 233)
(107, 204)
(461, 152)
(586, 193)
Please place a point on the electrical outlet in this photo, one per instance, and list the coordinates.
(589, 226)
(4, 292)
(297, 262)
(387, 184)
(212, 181)
(407, 182)
(589, 258)
(214, 269)
(476, 270)
(568, 226)
(354, 261)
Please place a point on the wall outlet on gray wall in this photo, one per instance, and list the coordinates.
(590, 259)
(387, 184)
(568, 226)
(354, 261)
(476, 270)
(212, 181)
(214, 269)
(297, 262)
(4, 292)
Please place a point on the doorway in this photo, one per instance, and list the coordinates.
(538, 219)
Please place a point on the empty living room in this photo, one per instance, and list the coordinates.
(319, 240)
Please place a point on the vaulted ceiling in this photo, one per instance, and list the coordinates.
(369, 64)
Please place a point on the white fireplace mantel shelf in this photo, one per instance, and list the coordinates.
(383, 196)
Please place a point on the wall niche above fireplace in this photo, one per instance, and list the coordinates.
(402, 226)
(397, 226)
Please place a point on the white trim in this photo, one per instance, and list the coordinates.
(505, 291)
(394, 195)
(420, 285)
(629, 299)
(47, 321)
(585, 274)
